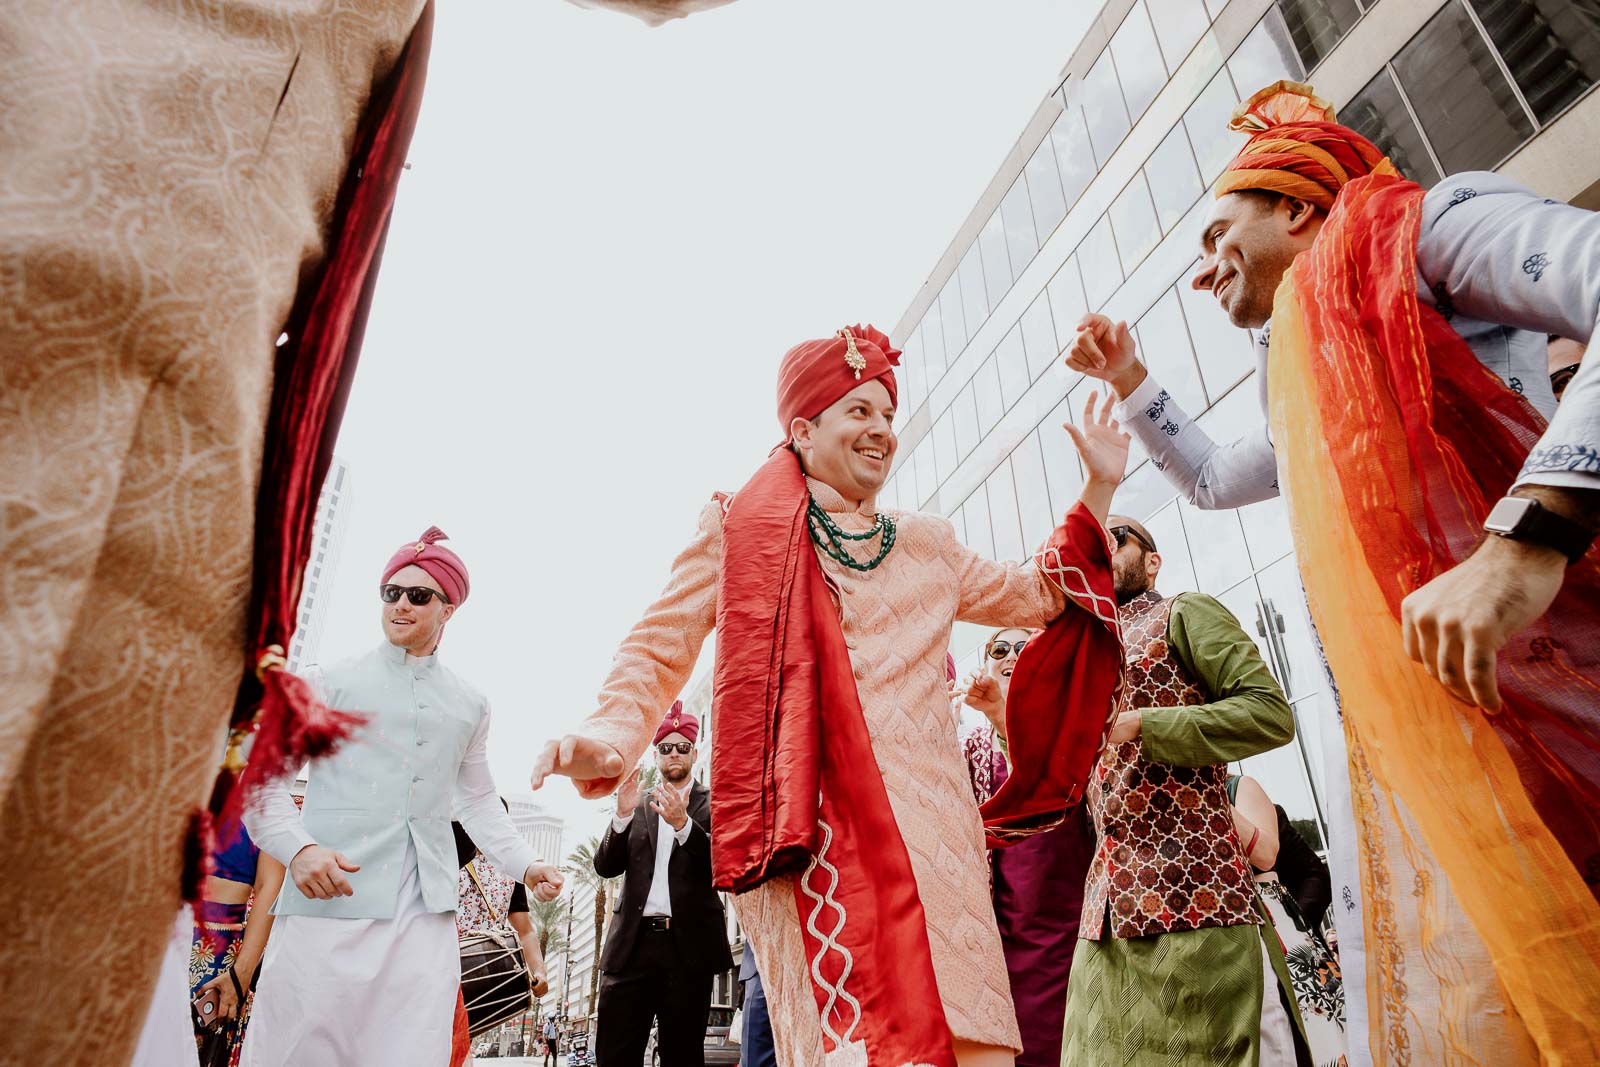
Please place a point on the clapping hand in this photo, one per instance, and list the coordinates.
(667, 803)
(628, 795)
(1101, 444)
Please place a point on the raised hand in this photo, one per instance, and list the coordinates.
(1101, 444)
(628, 795)
(1105, 350)
(982, 694)
(667, 803)
(592, 765)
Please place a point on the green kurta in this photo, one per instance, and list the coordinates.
(1191, 997)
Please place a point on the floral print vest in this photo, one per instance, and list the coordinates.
(1168, 858)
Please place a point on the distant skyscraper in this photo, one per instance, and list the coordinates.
(539, 828)
(333, 515)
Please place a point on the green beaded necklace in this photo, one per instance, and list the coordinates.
(831, 538)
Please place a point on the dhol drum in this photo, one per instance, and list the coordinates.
(494, 979)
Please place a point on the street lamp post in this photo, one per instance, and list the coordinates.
(566, 980)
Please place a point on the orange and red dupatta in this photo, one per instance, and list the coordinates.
(1394, 441)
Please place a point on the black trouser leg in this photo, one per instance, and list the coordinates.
(627, 1004)
(681, 1028)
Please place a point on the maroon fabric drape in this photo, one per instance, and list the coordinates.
(312, 376)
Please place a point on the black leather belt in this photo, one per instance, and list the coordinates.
(658, 922)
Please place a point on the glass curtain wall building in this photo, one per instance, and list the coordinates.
(1097, 208)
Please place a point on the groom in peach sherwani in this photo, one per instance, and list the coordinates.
(868, 909)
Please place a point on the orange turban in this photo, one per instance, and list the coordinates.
(815, 374)
(1296, 147)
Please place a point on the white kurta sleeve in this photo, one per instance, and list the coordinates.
(273, 819)
(477, 807)
(1491, 249)
(1211, 476)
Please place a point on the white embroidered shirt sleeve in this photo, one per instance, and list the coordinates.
(273, 819)
(1492, 250)
(1210, 475)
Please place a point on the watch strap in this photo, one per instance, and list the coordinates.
(1540, 526)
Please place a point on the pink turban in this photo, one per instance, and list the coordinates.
(678, 721)
(443, 565)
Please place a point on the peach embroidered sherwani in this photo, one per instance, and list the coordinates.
(896, 621)
(168, 172)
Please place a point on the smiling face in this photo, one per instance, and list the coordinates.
(850, 446)
(415, 627)
(1000, 669)
(674, 766)
(1248, 242)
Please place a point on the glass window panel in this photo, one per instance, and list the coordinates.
(927, 472)
(1266, 56)
(1207, 123)
(1039, 336)
(1003, 518)
(965, 417)
(996, 260)
(1464, 103)
(1177, 570)
(1225, 352)
(945, 451)
(912, 375)
(959, 521)
(1266, 524)
(1174, 179)
(1102, 270)
(1143, 492)
(889, 498)
(933, 342)
(1133, 218)
(1552, 48)
(1164, 347)
(1282, 773)
(1074, 161)
(1103, 107)
(1179, 24)
(1379, 114)
(955, 322)
(1012, 361)
(1044, 190)
(1068, 305)
(979, 537)
(1295, 649)
(974, 301)
(1314, 718)
(1061, 470)
(1216, 539)
(1242, 600)
(907, 478)
(1016, 213)
(1138, 61)
(1214, 7)
(1033, 493)
(986, 391)
(1316, 26)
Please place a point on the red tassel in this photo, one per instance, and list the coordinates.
(293, 726)
(197, 859)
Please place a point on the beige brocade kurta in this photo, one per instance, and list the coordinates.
(168, 171)
(896, 622)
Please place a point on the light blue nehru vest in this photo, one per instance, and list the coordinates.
(392, 782)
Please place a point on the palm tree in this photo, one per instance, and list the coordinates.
(549, 925)
(581, 863)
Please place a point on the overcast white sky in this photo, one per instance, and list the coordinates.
(608, 237)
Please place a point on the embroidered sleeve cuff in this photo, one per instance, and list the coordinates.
(1562, 465)
(1139, 401)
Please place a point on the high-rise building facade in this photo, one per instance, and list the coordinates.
(545, 832)
(1097, 208)
(333, 516)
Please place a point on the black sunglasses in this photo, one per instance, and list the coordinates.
(1122, 533)
(417, 594)
(683, 747)
(1002, 649)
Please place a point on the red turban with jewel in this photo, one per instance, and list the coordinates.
(815, 374)
(1296, 148)
(678, 721)
(443, 565)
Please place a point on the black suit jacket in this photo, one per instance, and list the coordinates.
(699, 927)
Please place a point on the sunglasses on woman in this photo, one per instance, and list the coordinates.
(683, 747)
(1002, 649)
(417, 594)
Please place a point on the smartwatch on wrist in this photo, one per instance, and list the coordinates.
(1522, 518)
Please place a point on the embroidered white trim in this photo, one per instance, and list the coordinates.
(830, 942)
(1049, 561)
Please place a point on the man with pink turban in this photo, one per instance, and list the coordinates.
(844, 818)
(363, 966)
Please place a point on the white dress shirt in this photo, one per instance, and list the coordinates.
(659, 900)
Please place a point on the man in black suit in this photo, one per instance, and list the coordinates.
(668, 936)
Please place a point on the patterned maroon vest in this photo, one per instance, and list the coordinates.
(1168, 858)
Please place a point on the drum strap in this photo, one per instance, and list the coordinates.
(472, 869)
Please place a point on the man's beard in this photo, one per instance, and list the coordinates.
(676, 777)
(1129, 582)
